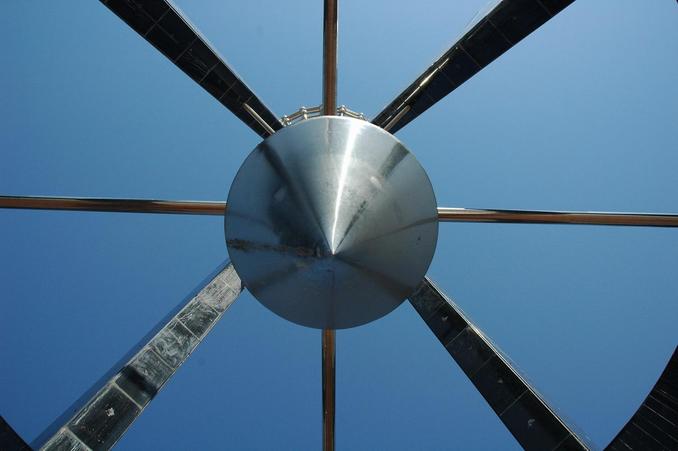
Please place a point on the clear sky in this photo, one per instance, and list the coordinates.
(582, 115)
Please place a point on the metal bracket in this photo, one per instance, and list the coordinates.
(304, 113)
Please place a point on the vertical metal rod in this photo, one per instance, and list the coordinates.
(330, 26)
(328, 351)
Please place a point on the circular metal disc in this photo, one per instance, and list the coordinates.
(331, 223)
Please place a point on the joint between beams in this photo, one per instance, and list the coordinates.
(114, 384)
(451, 340)
(155, 22)
(188, 329)
(185, 50)
(501, 33)
(72, 434)
(544, 8)
(514, 401)
(470, 56)
(209, 71)
(563, 440)
(162, 360)
(214, 310)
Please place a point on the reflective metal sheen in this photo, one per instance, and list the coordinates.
(331, 223)
(558, 217)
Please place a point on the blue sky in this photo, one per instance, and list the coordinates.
(581, 115)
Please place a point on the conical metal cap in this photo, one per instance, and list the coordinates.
(331, 223)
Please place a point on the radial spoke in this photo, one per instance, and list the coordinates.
(503, 27)
(185, 207)
(445, 214)
(524, 412)
(330, 30)
(163, 26)
(558, 217)
(105, 412)
(329, 375)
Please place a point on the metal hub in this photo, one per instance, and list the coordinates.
(331, 223)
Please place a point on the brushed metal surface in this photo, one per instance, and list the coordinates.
(445, 214)
(329, 108)
(330, 30)
(331, 223)
(558, 217)
(182, 207)
(329, 379)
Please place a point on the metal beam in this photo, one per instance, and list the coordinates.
(161, 24)
(524, 412)
(558, 217)
(328, 356)
(105, 412)
(329, 108)
(445, 214)
(504, 26)
(330, 26)
(184, 207)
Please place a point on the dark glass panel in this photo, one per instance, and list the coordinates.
(438, 86)
(569, 444)
(509, 22)
(171, 36)
(498, 384)
(218, 81)
(485, 43)
(197, 60)
(421, 103)
(518, 18)
(460, 67)
(154, 8)
(446, 324)
(132, 14)
(426, 300)
(469, 351)
(532, 424)
(556, 6)
(232, 100)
